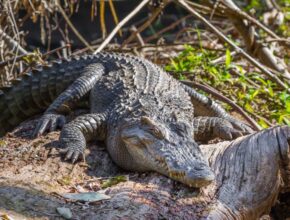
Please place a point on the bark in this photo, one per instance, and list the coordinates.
(250, 173)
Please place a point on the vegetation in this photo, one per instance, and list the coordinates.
(250, 86)
(250, 90)
(236, 49)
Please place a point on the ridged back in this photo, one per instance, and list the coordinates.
(33, 92)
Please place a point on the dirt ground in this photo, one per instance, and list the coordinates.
(33, 178)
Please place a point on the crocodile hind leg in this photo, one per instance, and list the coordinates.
(53, 117)
(76, 133)
(250, 172)
(204, 106)
(208, 128)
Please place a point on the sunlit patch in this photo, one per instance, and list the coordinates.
(168, 148)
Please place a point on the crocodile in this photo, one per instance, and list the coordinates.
(148, 120)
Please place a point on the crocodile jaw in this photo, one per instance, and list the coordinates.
(194, 172)
(167, 148)
(186, 164)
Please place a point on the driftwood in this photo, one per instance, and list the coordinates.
(250, 173)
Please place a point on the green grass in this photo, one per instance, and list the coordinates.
(259, 96)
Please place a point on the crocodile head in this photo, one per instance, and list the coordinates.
(167, 148)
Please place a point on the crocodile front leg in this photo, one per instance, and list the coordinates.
(204, 106)
(75, 134)
(208, 128)
(53, 117)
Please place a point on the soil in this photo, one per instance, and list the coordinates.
(33, 178)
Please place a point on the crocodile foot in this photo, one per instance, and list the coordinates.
(226, 131)
(73, 152)
(49, 122)
(240, 126)
(73, 143)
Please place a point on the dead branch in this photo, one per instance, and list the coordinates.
(200, 7)
(243, 15)
(114, 14)
(238, 49)
(222, 58)
(18, 58)
(55, 50)
(221, 97)
(286, 41)
(138, 35)
(14, 59)
(173, 25)
(120, 25)
(81, 38)
(154, 15)
(251, 38)
(12, 44)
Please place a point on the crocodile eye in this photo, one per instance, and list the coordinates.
(157, 133)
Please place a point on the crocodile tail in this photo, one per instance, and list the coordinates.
(34, 92)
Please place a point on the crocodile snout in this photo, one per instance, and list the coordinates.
(199, 175)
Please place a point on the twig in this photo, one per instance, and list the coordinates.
(72, 26)
(173, 25)
(102, 19)
(238, 49)
(243, 15)
(234, 71)
(199, 6)
(140, 39)
(12, 44)
(55, 50)
(184, 30)
(174, 46)
(222, 98)
(286, 41)
(4, 63)
(214, 9)
(154, 15)
(178, 46)
(120, 25)
(222, 58)
(14, 59)
(252, 40)
(261, 118)
(113, 11)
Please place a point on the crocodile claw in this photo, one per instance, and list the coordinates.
(240, 126)
(48, 122)
(72, 153)
(227, 132)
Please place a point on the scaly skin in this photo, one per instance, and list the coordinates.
(144, 115)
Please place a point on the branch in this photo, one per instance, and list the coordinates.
(14, 59)
(12, 44)
(222, 98)
(222, 58)
(17, 58)
(251, 38)
(121, 24)
(154, 15)
(72, 26)
(171, 26)
(133, 29)
(238, 49)
(243, 15)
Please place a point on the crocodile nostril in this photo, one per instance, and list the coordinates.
(199, 168)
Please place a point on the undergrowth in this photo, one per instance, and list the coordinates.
(260, 97)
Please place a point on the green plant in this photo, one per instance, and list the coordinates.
(259, 96)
